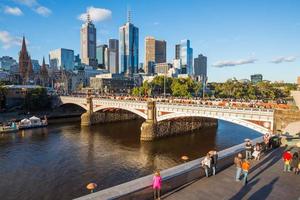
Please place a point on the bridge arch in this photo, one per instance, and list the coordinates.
(237, 121)
(137, 112)
(74, 103)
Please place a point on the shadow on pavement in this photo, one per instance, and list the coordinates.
(264, 192)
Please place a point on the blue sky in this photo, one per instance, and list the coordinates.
(238, 37)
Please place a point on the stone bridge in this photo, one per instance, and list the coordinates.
(261, 120)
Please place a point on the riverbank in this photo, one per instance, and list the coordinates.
(172, 178)
(52, 117)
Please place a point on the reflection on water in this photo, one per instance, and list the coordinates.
(58, 161)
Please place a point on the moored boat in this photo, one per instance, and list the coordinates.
(9, 128)
(32, 122)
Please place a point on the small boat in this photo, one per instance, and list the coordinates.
(32, 122)
(8, 129)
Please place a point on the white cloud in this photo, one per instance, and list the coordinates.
(43, 11)
(283, 59)
(8, 40)
(35, 6)
(13, 11)
(29, 3)
(96, 14)
(231, 63)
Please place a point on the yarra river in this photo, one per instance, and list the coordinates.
(58, 162)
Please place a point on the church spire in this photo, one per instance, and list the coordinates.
(23, 49)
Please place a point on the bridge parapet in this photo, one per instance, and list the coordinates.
(261, 120)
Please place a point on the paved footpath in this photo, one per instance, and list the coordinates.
(266, 181)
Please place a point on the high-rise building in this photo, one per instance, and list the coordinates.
(62, 59)
(88, 43)
(256, 78)
(155, 52)
(101, 55)
(186, 56)
(77, 62)
(200, 68)
(129, 49)
(25, 65)
(6, 62)
(177, 51)
(114, 56)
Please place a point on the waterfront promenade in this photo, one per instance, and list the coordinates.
(266, 181)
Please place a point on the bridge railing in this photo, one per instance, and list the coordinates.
(257, 110)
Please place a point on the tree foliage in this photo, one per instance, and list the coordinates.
(261, 90)
(180, 87)
(37, 99)
(3, 92)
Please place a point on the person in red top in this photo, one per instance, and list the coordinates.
(287, 157)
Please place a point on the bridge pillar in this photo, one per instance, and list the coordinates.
(148, 128)
(87, 117)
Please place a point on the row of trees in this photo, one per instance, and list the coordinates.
(34, 100)
(261, 90)
(179, 87)
(186, 87)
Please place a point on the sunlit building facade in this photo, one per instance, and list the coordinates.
(129, 49)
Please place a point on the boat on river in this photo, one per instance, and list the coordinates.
(9, 128)
(32, 122)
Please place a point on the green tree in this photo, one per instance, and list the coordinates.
(37, 99)
(3, 93)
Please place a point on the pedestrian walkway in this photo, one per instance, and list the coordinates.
(266, 181)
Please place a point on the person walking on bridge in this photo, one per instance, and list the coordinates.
(238, 165)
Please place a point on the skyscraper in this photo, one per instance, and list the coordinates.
(25, 65)
(100, 52)
(114, 56)
(88, 43)
(177, 51)
(155, 52)
(200, 68)
(186, 56)
(129, 48)
(61, 59)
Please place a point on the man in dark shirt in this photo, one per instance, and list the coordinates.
(214, 160)
(248, 148)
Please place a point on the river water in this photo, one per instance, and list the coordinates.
(58, 162)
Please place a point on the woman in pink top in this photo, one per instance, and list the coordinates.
(156, 185)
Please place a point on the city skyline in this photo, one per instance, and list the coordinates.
(243, 47)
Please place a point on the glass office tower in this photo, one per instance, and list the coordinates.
(129, 49)
(186, 56)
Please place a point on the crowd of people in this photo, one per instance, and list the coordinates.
(235, 103)
(242, 163)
